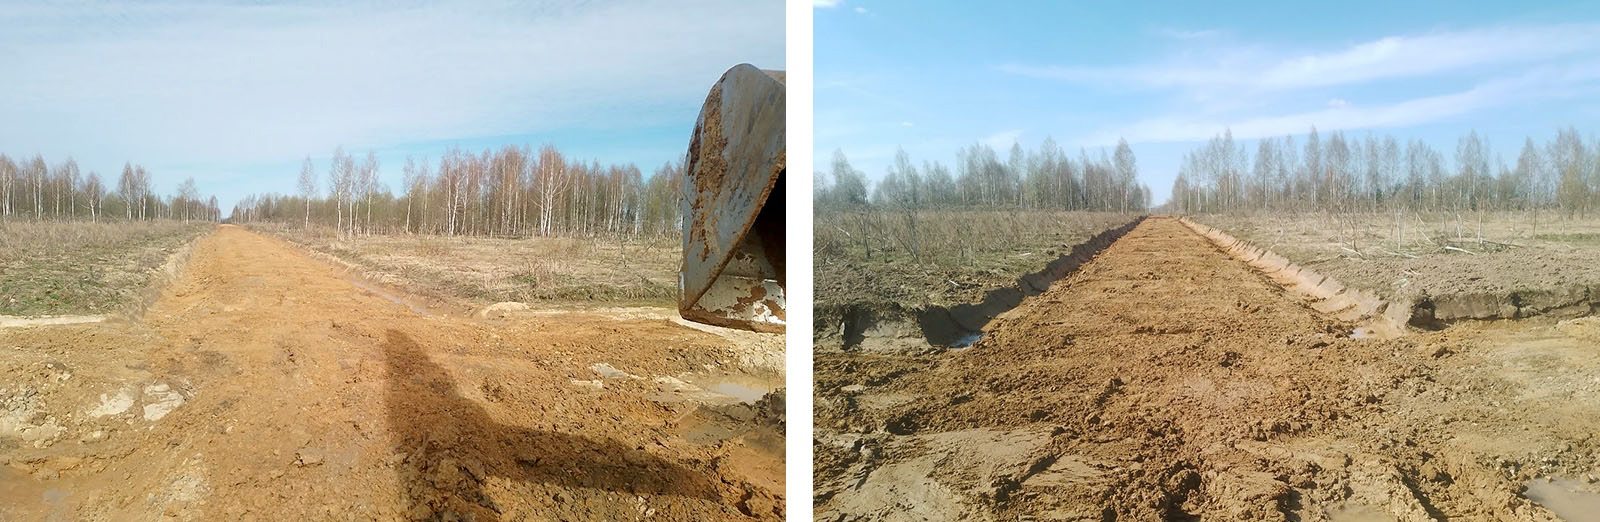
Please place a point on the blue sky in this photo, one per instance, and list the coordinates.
(933, 77)
(238, 94)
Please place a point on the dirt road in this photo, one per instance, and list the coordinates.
(1167, 381)
(266, 384)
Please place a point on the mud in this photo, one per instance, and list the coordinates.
(264, 385)
(1165, 380)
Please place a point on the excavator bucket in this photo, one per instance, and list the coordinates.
(733, 244)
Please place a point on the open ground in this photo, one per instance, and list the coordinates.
(487, 270)
(265, 383)
(79, 268)
(1162, 377)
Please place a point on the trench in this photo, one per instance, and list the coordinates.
(962, 325)
(1437, 312)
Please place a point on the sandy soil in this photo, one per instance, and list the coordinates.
(267, 385)
(1166, 381)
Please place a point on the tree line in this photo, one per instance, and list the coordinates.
(1341, 173)
(1045, 178)
(506, 192)
(34, 190)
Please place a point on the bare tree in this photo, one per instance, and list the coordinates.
(308, 186)
(369, 184)
(66, 184)
(35, 172)
(341, 174)
(127, 187)
(1127, 168)
(141, 179)
(188, 195)
(8, 180)
(96, 193)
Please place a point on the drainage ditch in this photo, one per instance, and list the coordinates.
(961, 325)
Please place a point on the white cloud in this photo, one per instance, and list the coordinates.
(1393, 57)
(826, 3)
(861, 10)
(234, 84)
(1541, 84)
(1258, 91)
(907, 124)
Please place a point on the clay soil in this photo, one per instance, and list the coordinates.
(1166, 381)
(268, 385)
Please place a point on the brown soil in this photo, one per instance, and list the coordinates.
(265, 385)
(1165, 380)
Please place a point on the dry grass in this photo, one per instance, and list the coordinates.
(1399, 255)
(1408, 234)
(867, 256)
(487, 270)
(83, 268)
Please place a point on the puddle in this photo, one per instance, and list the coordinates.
(24, 498)
(1568, 499)
(714, 389)
(391, 297)
(745, 393)
(1357, 513)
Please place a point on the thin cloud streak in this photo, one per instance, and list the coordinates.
(1340, 114)
(1392, 57)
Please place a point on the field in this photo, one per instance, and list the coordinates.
(486, 270)
(1167, 377)
(76, 268)
(268, 382)
(1492, 266)
(964, 254)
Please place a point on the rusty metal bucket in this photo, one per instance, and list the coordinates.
(733, 244)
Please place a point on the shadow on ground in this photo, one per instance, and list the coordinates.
(452, 446)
